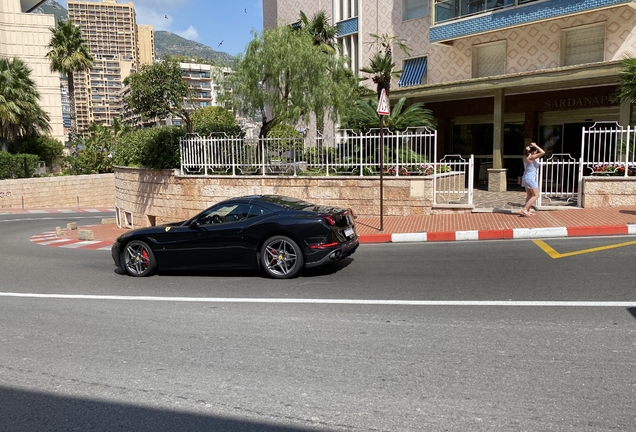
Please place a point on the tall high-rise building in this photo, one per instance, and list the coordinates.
(25, 36)
(146, 38)
(113, 39)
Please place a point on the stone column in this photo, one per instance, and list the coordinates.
(497, 175)
(625, 113)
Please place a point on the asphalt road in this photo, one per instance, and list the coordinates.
(463, 336)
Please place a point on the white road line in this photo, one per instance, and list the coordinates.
(80, 244)
(54, 241)
(328, 301)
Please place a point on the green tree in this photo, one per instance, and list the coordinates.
(68, 55)
(627, 87)
(285, 78)
(47, 149)
(214, 119)
(321, 31)
(364, 117)
(158, 91)
(381, 68)
(323, 35)
(20, 111)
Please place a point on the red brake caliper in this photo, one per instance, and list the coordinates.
(144, 253)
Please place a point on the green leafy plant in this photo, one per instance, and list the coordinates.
(13, 165)
(150, 148)
(214, 120)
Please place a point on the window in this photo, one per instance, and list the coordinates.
(414, 9)
(224, 214)
(257, 211)
(414, 72)
(584, 44)
(489, 59)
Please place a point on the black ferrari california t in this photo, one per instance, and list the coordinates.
(277, 234)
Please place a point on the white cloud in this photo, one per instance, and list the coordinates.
(190, 33)
(154, 12)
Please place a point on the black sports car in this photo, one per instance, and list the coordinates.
(278, 234)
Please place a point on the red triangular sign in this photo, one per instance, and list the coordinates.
(383, 104)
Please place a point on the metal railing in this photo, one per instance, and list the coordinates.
(407, 153)
(558, 179)
(608, 149)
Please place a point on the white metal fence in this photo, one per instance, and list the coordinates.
(606, 149)
(408, 153)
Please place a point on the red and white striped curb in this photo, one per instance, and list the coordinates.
(49, 238)
(57, 211)
(503, 234)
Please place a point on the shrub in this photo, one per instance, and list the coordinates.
(48, 149)
(150, 148)
(12, 165)
(214, 119)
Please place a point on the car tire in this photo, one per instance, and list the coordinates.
(281, 258)
(137, 259)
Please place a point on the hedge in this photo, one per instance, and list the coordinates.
(12, 165)
(156, 148)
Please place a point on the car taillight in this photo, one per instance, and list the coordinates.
(330, 220)
(324, 245)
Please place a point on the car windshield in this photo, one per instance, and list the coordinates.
(287, 202)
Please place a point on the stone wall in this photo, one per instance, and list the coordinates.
(599, 191)
(147, 197)
(96, 190)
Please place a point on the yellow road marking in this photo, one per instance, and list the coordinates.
(554, 254)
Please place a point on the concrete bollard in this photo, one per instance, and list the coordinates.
(71, 226)
(107, 221)
(58, 231)
(85, 235)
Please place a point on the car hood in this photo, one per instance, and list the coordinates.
(148, 230)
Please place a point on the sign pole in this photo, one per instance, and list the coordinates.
(383, 109)
(381, 173)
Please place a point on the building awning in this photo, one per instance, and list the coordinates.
(413, 72)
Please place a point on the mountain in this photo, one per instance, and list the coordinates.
(52, 7)
(165, 42)
(175, 45)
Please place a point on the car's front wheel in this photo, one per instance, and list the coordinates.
(281, 257)
(138, 259)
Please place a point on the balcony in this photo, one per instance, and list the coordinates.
(455, 19)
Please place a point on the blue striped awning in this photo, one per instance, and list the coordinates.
(413, 72)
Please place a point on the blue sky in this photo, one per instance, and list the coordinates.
(210, 22)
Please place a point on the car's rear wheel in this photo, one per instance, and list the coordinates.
(281, 257)
(138, 259)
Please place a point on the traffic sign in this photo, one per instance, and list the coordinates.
(383, 104)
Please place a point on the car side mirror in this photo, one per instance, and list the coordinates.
(195, 224)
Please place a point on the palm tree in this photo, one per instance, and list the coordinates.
(365, 117)
(20, 111)
(627, 88)
(69, 54)
(381, 66)
(321, 30)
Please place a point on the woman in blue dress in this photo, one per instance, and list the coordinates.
(529, 179)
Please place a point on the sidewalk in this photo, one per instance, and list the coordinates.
(480, 225)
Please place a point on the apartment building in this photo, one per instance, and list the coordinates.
(205, 87)
(118, 48)
(25, 35)
(497, 74)
(146, 38)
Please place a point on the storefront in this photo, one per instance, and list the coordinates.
(495, 118)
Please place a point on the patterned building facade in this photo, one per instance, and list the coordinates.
(497, 74)
(118, 47)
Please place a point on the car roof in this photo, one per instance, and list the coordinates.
(279, 201)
